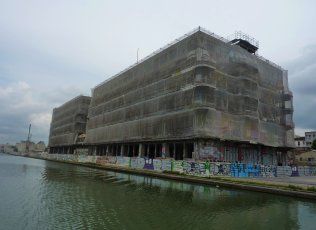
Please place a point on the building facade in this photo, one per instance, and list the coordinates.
(306, 158)
(68, 124)
(21, 146)
(309, 138)
(300, 144)
(202, 97)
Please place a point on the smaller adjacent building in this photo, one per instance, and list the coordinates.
(305, 143)
(309, 138)
(306, 158)
(7, 148)
(21, 146)
(33, 147)
(40, 146)
(300, 143)
(68, 126)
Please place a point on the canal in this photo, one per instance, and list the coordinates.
(38, 194)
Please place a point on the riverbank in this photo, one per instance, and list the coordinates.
(40, 194)
(298, 190)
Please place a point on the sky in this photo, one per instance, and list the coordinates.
(52, 51)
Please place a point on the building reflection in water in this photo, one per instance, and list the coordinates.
(130, 200)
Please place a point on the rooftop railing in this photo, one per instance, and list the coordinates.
(174, 42)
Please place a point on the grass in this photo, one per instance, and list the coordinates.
(295, 187)
(311, 189)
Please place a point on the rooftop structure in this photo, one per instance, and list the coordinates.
(244, 41)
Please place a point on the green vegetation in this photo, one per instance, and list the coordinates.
(314, 144)
(294, 187)
(311, 189)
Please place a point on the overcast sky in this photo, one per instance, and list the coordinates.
(51, 51)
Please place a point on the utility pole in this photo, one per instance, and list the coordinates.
(28, 140)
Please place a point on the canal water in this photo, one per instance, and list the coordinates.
(38, 194)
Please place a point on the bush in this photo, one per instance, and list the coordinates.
(314, 144)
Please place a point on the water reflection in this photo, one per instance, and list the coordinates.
(49, 195)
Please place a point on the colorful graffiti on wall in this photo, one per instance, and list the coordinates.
(203, 169)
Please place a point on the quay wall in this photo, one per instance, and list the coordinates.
(186, 167)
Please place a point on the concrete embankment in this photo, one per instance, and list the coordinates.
(279, 188)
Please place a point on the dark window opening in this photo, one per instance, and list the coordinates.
(189, 149)
(171, 150)
(151, 153)
(130, 150)
(179, 151)
(136, 149)
(158, 150)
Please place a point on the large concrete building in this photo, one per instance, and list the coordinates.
(202, 97)
(68, 125)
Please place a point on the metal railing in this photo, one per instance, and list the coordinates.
(243, 36)
(174, 42)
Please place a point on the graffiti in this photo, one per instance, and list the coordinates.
(123, 161)
(295, 171)
(177, 166)
(157, 164)
(137, 163)
(149, 164)
(166, 165)
(238, 170)
(249, 170)
(104, 160)
(220, 169)
(268, 171)
(210, 153)
(283, 171)
(195, 168)
(203, 169)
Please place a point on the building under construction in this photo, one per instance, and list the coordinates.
(68, 126)
(202, 97)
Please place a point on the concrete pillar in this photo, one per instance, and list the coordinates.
(155, 150)
(185, 155)
(174, 150)
(134, 150)
(122, 150)
(165, 150)
(107, 150)
(141, 150)
(197, 146)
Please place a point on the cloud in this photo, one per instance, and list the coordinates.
(302, 80)
(22, 104)
(51, 51)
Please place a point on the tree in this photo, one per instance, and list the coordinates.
(314, 144)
